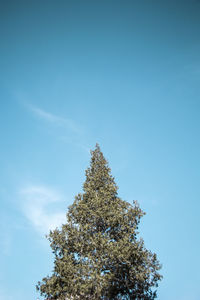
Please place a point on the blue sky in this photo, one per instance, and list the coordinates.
(125, 74)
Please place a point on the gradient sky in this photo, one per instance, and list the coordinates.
(125, 74)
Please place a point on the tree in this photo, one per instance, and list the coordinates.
(98, 254)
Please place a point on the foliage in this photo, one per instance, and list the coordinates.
(98, 254)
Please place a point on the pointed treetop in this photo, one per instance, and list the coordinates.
(98, 175)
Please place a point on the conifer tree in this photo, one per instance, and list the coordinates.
(98, 254)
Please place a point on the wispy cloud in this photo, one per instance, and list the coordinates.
(55, 119)
(68, 130)
(36, 205)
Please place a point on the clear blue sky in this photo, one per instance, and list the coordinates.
(125, 74)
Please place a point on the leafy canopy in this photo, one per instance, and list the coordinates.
(98, 254)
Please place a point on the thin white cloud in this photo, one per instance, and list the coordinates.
(55, 119)
(67, 129)
(36, 204)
